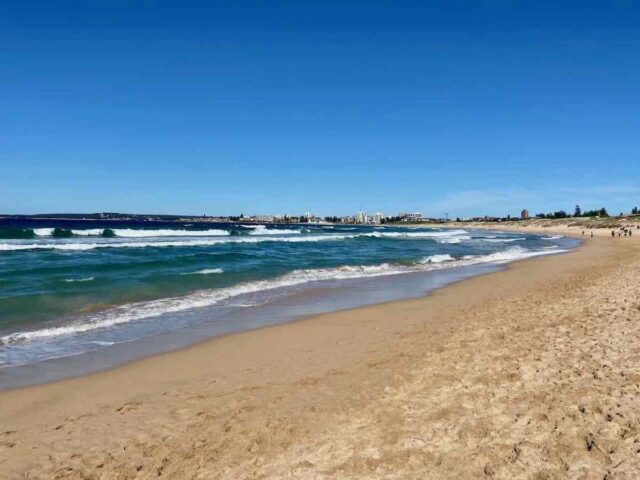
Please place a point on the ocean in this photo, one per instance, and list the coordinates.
(72, 288)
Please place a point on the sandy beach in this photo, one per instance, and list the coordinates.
(533, 372)
(576, 227)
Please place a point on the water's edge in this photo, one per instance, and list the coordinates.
(349, 294)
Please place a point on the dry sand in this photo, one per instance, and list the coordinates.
(533, 372)
(579, 228)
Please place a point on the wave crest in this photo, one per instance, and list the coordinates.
(143, 310)
(166, 232)
(263, 230)
(204, 271)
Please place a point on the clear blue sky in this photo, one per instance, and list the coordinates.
(467, 107)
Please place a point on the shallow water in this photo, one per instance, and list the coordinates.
(67, 290)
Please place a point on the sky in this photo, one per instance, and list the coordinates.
(216, 107)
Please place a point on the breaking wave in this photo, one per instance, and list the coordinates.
(263, 230)
(419, 234)
(205, 271)
(216, 237)
(437, 258)
(110, 232)
(503, 240)
(77, 246)
(144, 310)
(144, 233)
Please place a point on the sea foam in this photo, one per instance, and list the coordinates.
(204, 271)
(79, 246)
(144, 233)
(502, 240)
(43, 232)
(90, 232)
(263, 230)
(136, 232)
(143, 310)
(452, 236)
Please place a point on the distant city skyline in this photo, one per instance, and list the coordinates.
(289, 107)
(359, 217)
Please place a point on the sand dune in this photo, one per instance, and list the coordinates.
(529, 373)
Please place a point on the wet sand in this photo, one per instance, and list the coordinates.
(533, 372)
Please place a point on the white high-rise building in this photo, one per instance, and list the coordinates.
(361, 217)
(377, 218)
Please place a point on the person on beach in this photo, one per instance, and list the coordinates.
(613, 233)
(591, 234)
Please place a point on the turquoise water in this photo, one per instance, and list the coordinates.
(70, 288)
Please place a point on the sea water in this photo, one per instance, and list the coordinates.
(72, 288)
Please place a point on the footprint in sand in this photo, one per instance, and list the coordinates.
(128, 407)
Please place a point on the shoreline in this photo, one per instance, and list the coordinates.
(270, 395)
(75, 366)
(342, 297)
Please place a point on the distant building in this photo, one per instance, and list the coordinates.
(411, 216)
(377, 218)
(524, 214)
(361, 217)
(264, 218)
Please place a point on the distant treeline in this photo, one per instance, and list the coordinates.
(577, 213)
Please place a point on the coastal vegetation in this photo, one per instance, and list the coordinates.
(602, 212)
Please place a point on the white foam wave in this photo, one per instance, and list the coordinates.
(138, 233)
(167, 232)
(85, 279)
(418, 234)
(263, 230)
(453, 239)
(444, 237)
(48, 232)
(437, 258)
(503, 240)
(143, 310)
(80, 246)
(205, 271)
(90, 232)
(511, 254)
(553, 237)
